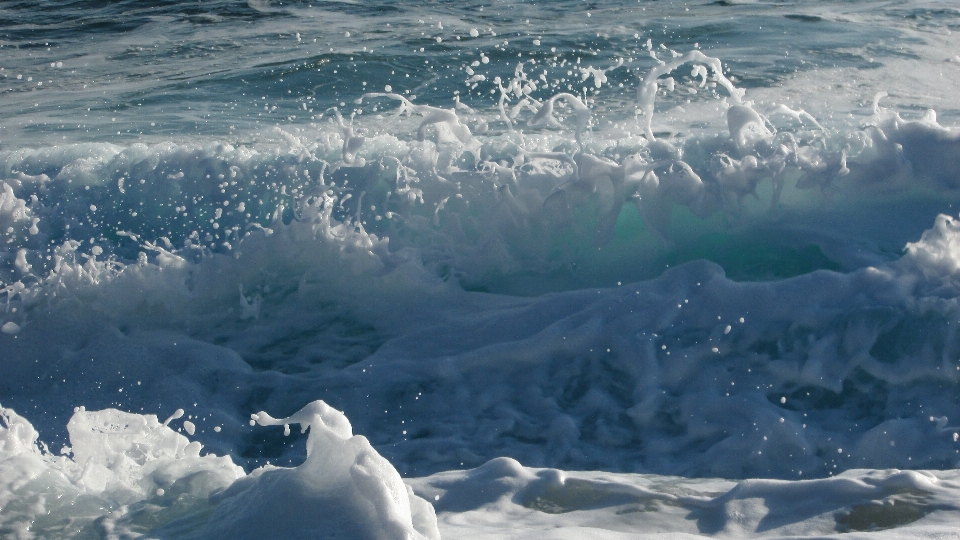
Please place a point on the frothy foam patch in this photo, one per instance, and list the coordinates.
(549, 503)
(131, 474)
(122, 467)
(360, 493)
(476, 204)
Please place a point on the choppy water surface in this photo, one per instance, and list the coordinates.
(697, 239)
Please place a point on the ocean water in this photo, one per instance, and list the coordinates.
(379, 269)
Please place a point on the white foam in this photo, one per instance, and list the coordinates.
(546, 503)
(118, 459)
(129, 471)
(361, 493)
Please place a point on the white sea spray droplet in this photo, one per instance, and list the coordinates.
(11, 328)
(176, 414)
(473, 33)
